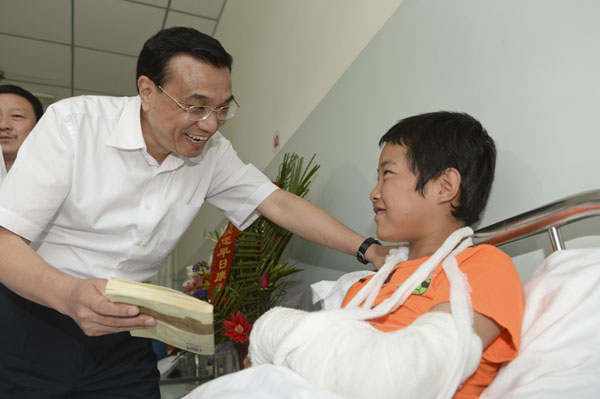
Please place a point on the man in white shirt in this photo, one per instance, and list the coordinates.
(106, 187)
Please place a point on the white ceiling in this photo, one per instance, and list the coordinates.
(63, 48)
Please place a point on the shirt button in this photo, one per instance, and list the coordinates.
(121, 267)
(148, 207)
(139, 242)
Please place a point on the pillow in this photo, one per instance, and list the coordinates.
(560, 345)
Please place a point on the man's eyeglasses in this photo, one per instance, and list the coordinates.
(200, 113)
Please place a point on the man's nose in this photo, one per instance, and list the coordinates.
(4, 122)
(210, 124)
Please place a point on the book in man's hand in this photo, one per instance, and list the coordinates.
(182, 320)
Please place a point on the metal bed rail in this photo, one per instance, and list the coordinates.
(548, 218)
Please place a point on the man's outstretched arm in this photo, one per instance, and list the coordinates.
(314, 224)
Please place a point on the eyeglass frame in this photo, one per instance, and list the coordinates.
(189, 108)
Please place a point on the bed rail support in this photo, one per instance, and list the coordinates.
(556, 239)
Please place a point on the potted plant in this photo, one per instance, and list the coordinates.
(246, 276)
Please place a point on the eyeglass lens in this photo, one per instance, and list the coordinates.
(202, 113)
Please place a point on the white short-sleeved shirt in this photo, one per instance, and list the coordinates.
(2, 166)
(94, 203)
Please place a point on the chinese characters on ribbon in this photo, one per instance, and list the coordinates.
(221, 261)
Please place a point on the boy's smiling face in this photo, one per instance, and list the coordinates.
(401, 212)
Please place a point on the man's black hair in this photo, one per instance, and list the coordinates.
(161, 47)
(33, 100)
(437, 141)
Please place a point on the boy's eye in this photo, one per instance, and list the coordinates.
(17, 116)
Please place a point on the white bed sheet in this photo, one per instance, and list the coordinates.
(560, 347)
(560, 343)
(261, 382)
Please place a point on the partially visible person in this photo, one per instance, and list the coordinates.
(19, 112)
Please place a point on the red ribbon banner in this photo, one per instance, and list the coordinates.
(221, 260)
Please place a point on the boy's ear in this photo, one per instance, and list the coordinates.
(449, 186)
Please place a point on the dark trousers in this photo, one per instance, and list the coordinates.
(44, 354)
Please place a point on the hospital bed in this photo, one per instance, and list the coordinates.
(560, 345)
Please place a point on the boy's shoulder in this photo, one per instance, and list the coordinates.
(483, 251)
(487, 262)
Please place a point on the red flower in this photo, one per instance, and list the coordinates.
(265, 281)
(238, 327)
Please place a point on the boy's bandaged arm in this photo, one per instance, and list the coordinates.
(355, 360)
(484, 327)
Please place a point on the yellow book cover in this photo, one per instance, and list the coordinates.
(181, 320)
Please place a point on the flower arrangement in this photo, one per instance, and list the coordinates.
(197, 285)
(246, 276)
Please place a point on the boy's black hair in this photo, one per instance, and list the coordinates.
(33, 100)
(161, 47)
(437, 141)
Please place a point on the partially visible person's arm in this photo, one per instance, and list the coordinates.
(314, 224)
(23, 271)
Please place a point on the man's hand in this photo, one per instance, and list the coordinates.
(96, 314)
(312, 223)
(81, 299)
(376, 254)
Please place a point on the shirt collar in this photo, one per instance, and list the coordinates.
(127, 135)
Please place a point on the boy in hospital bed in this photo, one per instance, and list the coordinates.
(441, 316)
(435, 174)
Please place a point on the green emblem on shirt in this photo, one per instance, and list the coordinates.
(422, 288)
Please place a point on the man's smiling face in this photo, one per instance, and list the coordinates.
(191, 82)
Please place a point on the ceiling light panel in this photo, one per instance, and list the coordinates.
(46, 20)
(35, 61)
(205, 8)
(202, 24)
(115, 25)
(104, 73)
(158, 3)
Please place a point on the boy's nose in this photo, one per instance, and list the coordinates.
(374, 196)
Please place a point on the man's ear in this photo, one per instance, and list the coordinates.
(146, 88)
(449, 186)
